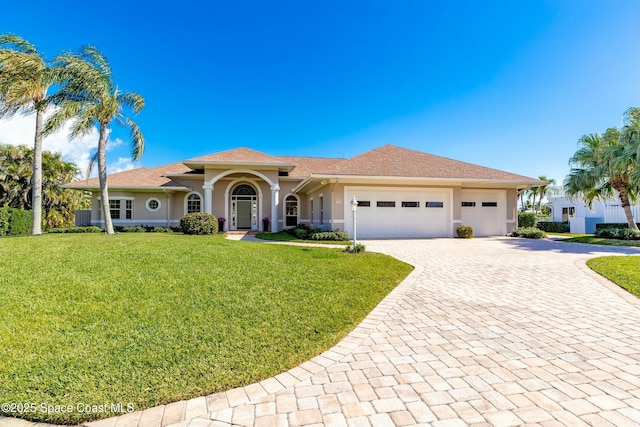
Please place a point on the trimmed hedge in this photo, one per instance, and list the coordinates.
(199, 223)
(528, 233)
(464, 232)
(618, 233)
(602, 225)
(15, 222)
(553, 227)
(330, 235)
(527, 219)
(88, 229)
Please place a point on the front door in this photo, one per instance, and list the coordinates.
(244, 214)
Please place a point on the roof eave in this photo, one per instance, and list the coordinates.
(125, 187)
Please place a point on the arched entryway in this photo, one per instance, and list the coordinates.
(244, 208)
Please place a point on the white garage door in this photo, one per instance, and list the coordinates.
(485, 212)
(400, 212)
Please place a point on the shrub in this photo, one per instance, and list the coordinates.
(553, 227)
(330, 235)
(134, 229)
(612, 225)
(526, 219)
(162, 230)
(20, 222)
(4, 221)
(359, 247)
(618, 233)
(87, 229)
(199, 223)
(528, 233)
(303, 231)
(464, 231)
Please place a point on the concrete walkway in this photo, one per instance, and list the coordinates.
(484, 332)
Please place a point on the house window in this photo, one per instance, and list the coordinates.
(311, 208)
(489, 204)
(568, 213)
(128, 209)
(364, 204)
(434, 205)
(384, 204)
(291, 211)
(114, 208)
(193, 203)
(153, 204)
(321, 210)
(468, 204)
(410, 204)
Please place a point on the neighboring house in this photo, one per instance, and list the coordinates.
(401, 193)
(582, 219)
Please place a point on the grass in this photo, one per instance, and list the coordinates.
(151, 318)
(622, 270)
(591, 239)
(282, 236)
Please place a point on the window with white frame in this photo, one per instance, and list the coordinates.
(128, 209)
(153, 204)
(321, 210)
(114, 208)
(193, 203)
(291, 211)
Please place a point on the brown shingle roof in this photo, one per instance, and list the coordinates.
(238, 155)
(139, 177)
(390, 160)
(305, 166)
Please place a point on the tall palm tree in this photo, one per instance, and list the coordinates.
(25, 79)
(601, 169)
(89, 95)
(542, 189)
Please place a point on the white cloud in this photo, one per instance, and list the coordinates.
(20, 129)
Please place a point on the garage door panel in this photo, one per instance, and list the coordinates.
(377, 221)
(487, 215)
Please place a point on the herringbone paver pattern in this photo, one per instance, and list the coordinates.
(484, 332)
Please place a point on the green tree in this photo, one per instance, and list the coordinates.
(541, 190)
(58, 204)
(89, 95)
(602, 168)
(25, 79)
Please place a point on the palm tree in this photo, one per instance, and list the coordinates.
(542, 189)
(90, 97)
(601, 169)
(25, 78)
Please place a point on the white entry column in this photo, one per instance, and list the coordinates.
(208, 196)
(275, 203)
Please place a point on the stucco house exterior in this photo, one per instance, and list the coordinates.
(401, 193)
(582, 218)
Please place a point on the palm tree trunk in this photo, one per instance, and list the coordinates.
(102, 176)
(626, 205)
(36, 178)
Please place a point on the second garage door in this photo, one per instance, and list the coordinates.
(484, 211)
(400, 212)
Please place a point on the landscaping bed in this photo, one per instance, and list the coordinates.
(151, 318)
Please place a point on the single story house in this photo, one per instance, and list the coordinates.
(400, 193)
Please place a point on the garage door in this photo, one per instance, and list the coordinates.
(399, 212)
(485, 212)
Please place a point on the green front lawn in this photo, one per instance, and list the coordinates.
(622, 270)
(590, 238)
(152, 318)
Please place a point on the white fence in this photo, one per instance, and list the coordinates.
(615, 214)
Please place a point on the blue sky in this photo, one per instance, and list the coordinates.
(505, 84)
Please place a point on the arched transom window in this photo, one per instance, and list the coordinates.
(244, 190)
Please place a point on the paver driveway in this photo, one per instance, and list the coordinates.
(486, 332)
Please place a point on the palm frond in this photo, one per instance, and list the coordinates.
(132, 100)
(137, 139)
(16, 42)
(92, 163)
